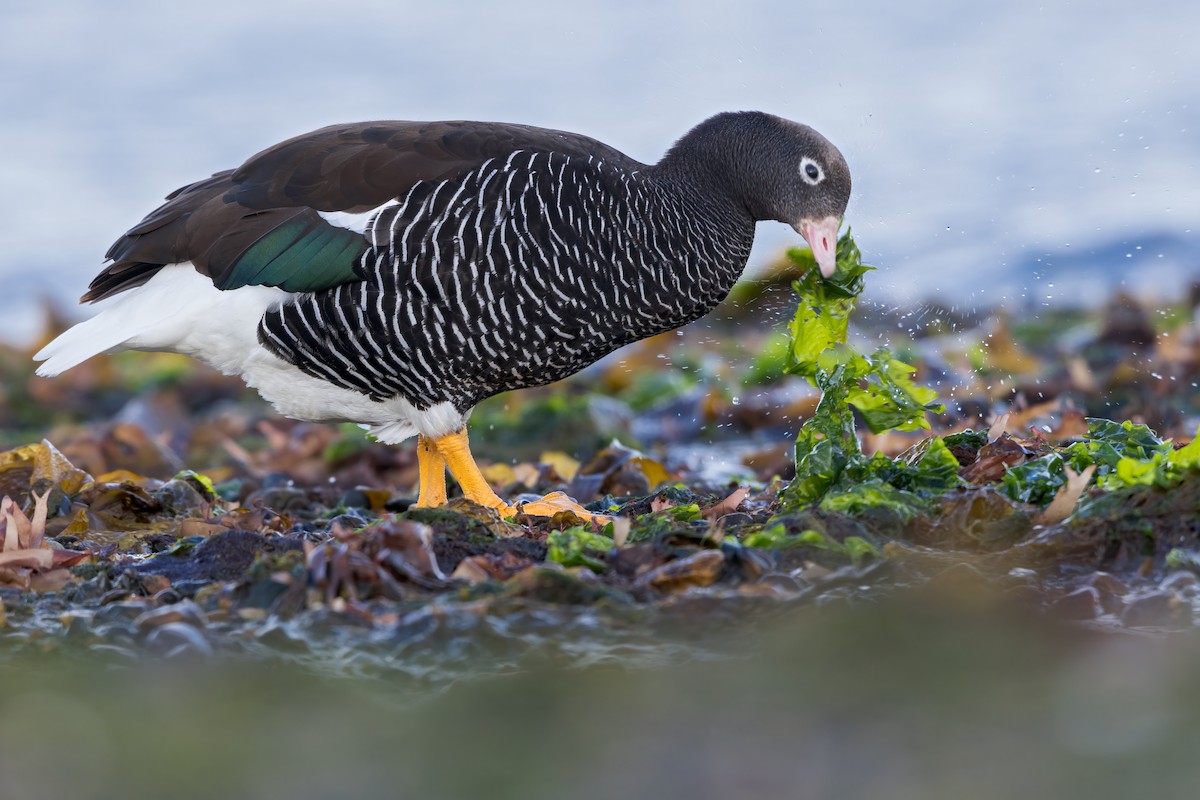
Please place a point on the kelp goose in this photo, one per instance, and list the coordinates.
(394, 274)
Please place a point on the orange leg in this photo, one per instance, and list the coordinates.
(433, 474)
(457, 453)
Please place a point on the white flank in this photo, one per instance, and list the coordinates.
(354, 222)
(179, 310)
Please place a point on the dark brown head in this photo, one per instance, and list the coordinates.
(777, 169)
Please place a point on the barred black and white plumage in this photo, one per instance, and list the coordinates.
(397, 273)
(517, 274)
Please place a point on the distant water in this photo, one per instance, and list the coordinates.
(990, 145)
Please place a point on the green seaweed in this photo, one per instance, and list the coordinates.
(878, 386)
(575, 547)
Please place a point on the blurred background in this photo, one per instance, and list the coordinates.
(1027, 154)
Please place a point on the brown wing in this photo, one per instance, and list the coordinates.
(258, 224)
(361, 166)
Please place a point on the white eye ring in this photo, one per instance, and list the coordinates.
(811, 172)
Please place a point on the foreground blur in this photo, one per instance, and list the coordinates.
(908, 701)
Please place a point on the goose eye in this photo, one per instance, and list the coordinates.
(811, 171)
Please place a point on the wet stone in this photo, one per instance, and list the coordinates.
(347, 522)
(275, 635)
(153, 585)
(746, 563)
(355, 498)
(184, 611)
(119, 613)
(77, 628)
(223, 557)
(1108, 584)
(633, 561)
(1081, 604)
(781, 582)
(179, 640)
(1180, 581)
(283, 499)
(189, 588)
(1157, 609)
(179, 498)
(697, 570)
(735, 520)
(1109, 590)
(960, 579)
(167, 596)
(113, 651)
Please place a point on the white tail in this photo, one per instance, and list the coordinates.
(178, 310)
(77, 344)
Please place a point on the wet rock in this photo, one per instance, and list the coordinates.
(178, 640)
(1182, 582)
(780, 582)
(114, 652)
(257, 520)
(462, 517)
(667, 497)
(189, 588)
(365, 499)
(119, 613)
(634, 561)
(747, 564)
(458, 537)
(179, 498)
(223, 557)
(1110, 591)
(962, 581)
(274, 634)
(976, 519)
(1022, 585)
(477, 569)
(281, 592)
(1157, 609)
(473, 570)
(167, 596)
(185, 611)
(558, 586)
(811, 572)
(283, 499)
(1081, 604)
(735, 520)
(121, 503)
(697, 570)
(347, 523)
(153, 585)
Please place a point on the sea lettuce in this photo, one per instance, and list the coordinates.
(877, 385)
